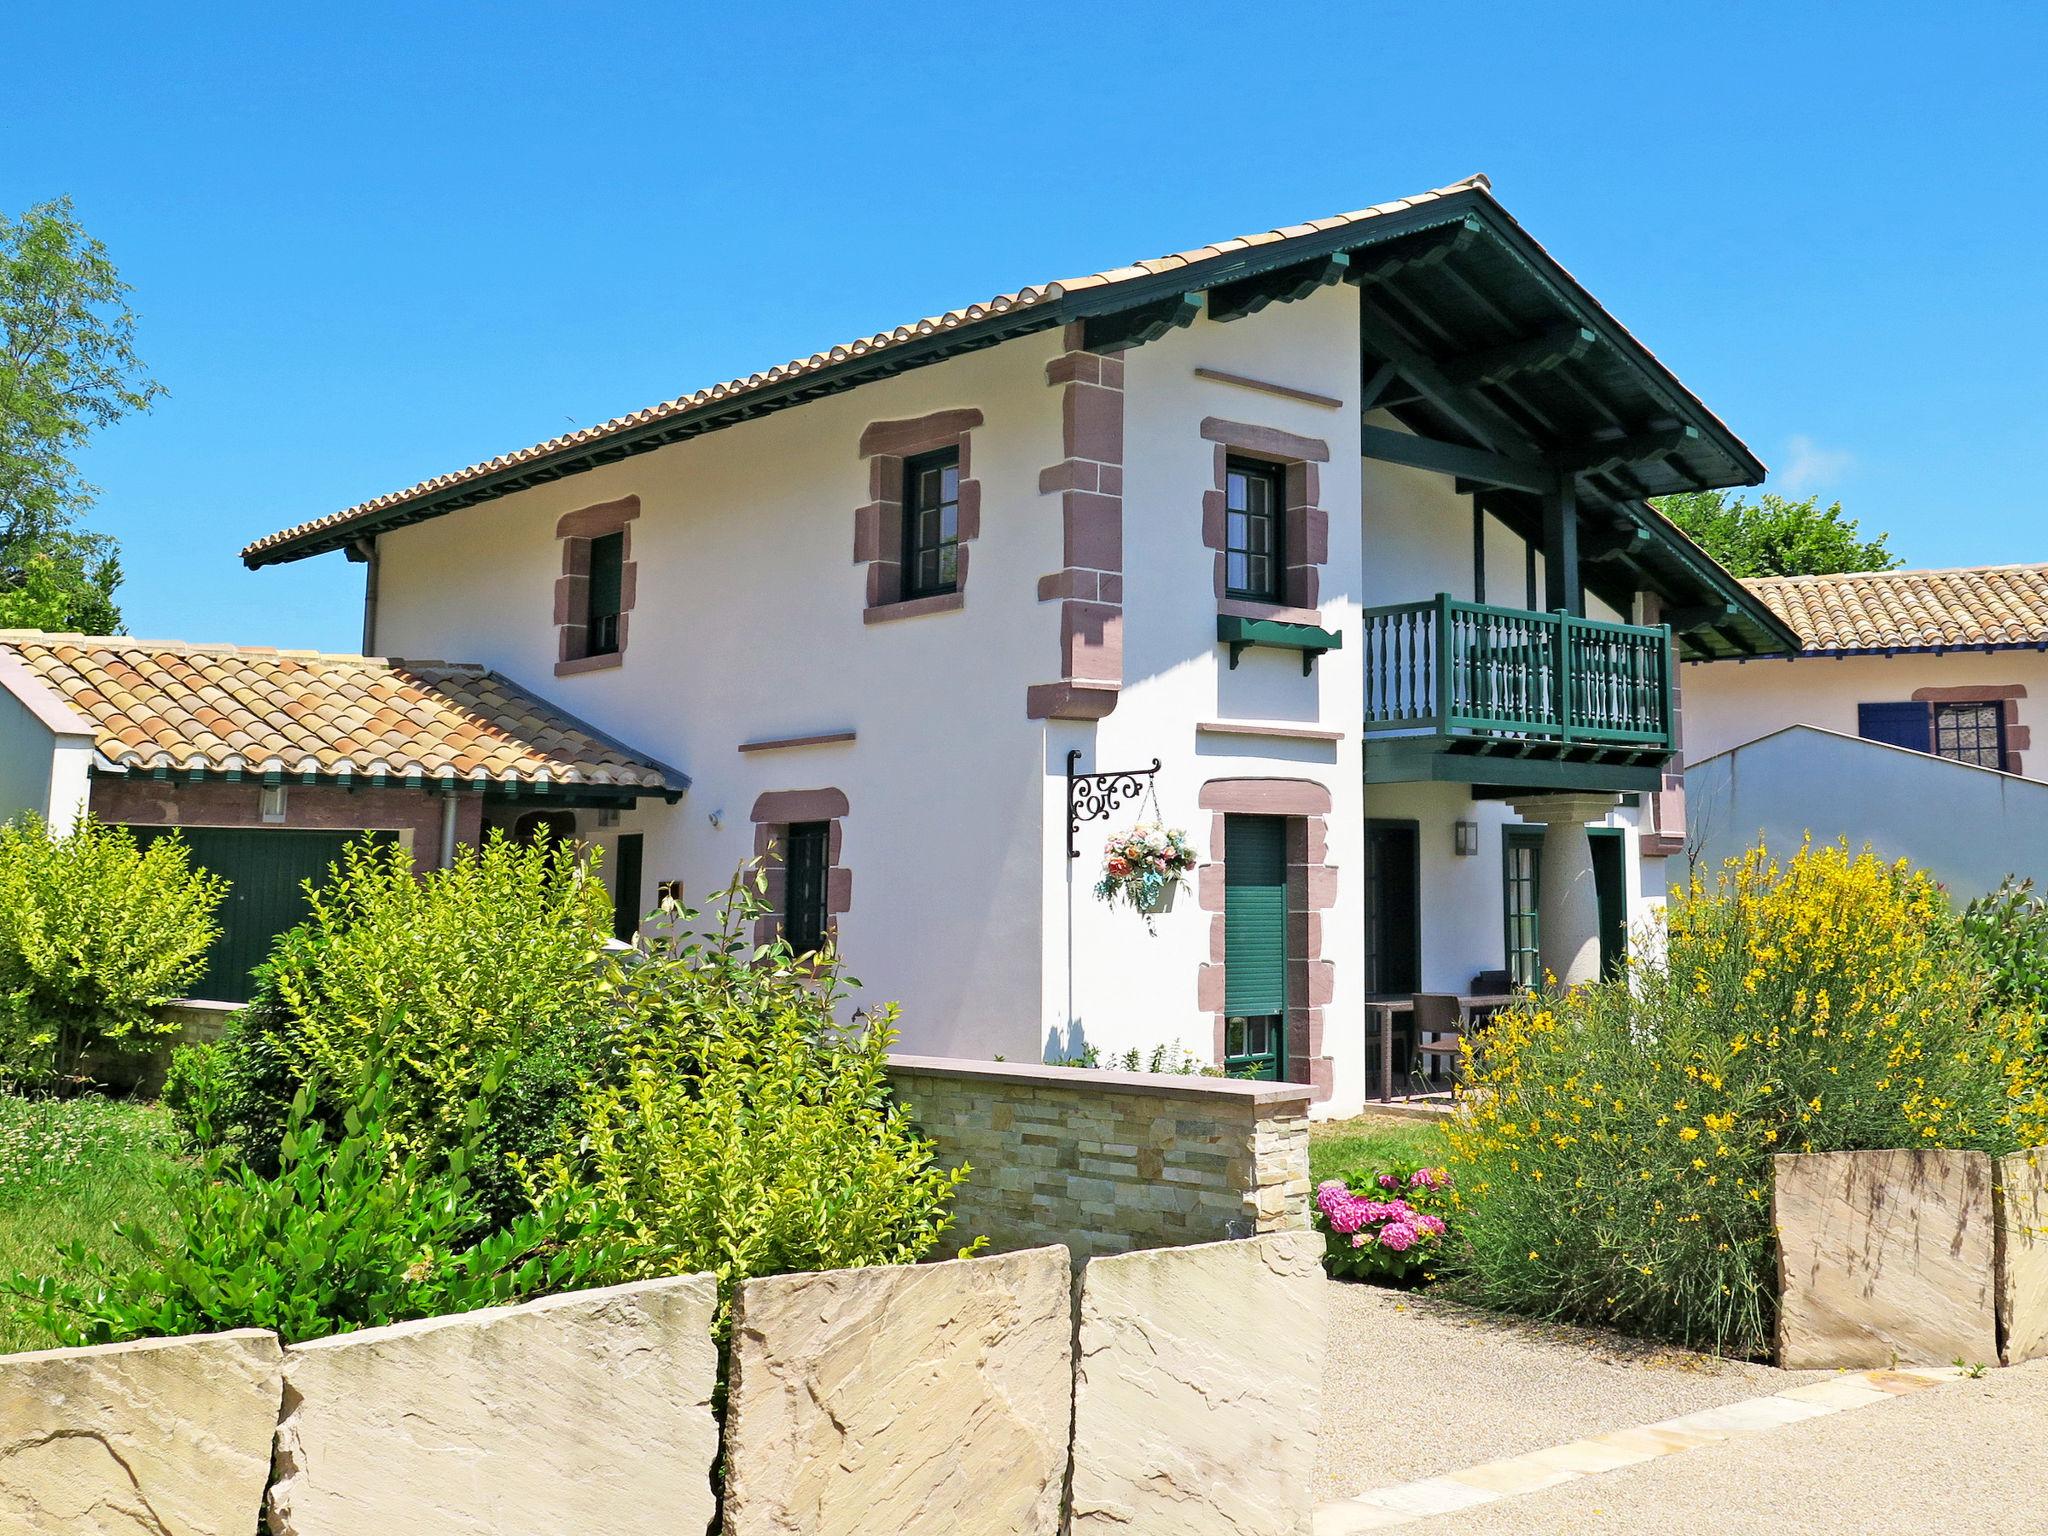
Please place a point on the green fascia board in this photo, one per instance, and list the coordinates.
(1276, 632)
(1427, 760)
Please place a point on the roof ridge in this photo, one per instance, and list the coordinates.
(52, 638)
(1901, 572)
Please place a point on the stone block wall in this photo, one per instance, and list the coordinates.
(1107, 1162)
(2022, 1196)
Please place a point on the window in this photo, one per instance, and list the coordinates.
(1523, 850)
(1251, 539)
(804, 862)
(931, 524)
(607, 589)
(1252, 1046)
(1971, 733)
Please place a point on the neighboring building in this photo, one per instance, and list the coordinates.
(268, 762)
(1949, 664)
(1344, 524)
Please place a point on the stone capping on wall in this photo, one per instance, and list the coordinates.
(2018, 738)
(1165, 1085)
(878, 524)
(1311, 891)
(1089, 586)
(1305, 525)
(773, 813)
(575, 530)
(1263, 386)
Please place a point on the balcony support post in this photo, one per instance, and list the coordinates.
(1568, 906)
(1563, 592)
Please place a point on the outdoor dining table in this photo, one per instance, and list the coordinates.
(1390, 1006)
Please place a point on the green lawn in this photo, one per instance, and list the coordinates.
(69, 1169)
(1338, 1147)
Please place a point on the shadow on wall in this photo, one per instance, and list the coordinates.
(1969, 826)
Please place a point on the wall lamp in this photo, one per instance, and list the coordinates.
(1465, 838)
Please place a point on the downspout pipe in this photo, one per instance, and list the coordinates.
(364, 552)
(448, 805)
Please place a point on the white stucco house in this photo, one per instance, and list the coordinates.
(1343, 526)
(1904, 720)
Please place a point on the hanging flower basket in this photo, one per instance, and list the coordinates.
(1145, 867)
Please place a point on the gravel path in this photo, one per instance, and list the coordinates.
(1414, 1387)
(1964, 1458)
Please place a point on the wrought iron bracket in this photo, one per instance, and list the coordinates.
(1093, 796)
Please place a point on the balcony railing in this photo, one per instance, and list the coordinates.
(1453, 669)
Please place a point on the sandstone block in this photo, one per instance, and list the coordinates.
(920, 1400)
(584, 1412)
(1198, 1389)
(1884, 1257)
(2023, 1255)
(162, 1437)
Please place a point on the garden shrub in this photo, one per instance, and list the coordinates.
(750, 1134)
(2010, 929)
(351, 1231)
(497, 961)
(1386, 1224)
(1614, 1160)
(96, 935)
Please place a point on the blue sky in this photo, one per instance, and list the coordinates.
(371, 243)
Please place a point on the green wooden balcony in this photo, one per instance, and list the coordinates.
(1473, 694)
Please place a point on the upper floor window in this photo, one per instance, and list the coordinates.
(1970, 733)
(931, 524)
(805, 861)
(1251, 541)
(607, 584)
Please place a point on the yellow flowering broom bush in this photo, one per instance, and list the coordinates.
(1615, 1157)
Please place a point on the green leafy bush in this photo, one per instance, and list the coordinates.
(496, 962)
(352, 1231)
(1614, 1158)
(96, 935)
(750, 1134)
(2010, 929)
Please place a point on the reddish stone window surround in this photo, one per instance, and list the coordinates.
(1090, 587)
(773, 815)
(1305, 533)
(878, 526)
(575, 530)
(2018, 738)
(1311, 891)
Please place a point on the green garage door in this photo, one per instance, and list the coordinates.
(266, 869)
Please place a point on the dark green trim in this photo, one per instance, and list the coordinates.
(1309, 639)
(1534, 354)
(1234, 301)
(1391, 447)
(1147, 322)
(1529, 839)
(555, 793)
(1434, 760)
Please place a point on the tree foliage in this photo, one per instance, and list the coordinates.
(1775, 536)
(67, 368)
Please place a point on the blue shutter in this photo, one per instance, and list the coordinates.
(1254, 915)
(1897, 725)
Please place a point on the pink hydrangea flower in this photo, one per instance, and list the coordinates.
(1433, 1225)
(1397, 1235)
(1388, 1181)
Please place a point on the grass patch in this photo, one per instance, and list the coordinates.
(70, 1169)
(1337, 1147)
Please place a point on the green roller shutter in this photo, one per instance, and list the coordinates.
(266, 869)
(1255, 915)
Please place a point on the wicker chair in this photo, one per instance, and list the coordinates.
(1442, 1015)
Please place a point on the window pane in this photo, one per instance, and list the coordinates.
(607, 573)
(1252, 531)
(1971, 733)
(804, 865)
(931, 524)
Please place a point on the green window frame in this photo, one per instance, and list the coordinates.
(1522, 899)
(807, 853)
(1252, 519)
(607, 593)
(931, 524)
(1971, 733)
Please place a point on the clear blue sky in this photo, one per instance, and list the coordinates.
(379, 242)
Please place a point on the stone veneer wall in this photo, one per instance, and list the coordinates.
(1106, 1162)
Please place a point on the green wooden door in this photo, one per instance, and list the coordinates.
(266, 869)
(1255, 945)
(1610, 892)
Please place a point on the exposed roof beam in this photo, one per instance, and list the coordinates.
(1426, 251)
(1612, 543)
(1233, 301)
(1704, 616)
(1602, 456)
(1134, 327)
(1471, 412)
(1531, 354)
(1494, 469)
(1375, 393)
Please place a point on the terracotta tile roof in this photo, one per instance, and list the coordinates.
(1890, 610)
(165, 703)
(881, 341)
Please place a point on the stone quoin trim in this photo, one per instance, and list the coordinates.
(1089, 587)
(1662, 829)
(878, 525)
(1305, 525)
(1311, 891)
(2018, 738)
(773, 814)
(575, 530)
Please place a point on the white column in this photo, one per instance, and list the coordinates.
(1568, 908)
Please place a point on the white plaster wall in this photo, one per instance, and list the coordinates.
(1728, 702)
(1970, 826)
(1131, 989)
(748, 625)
